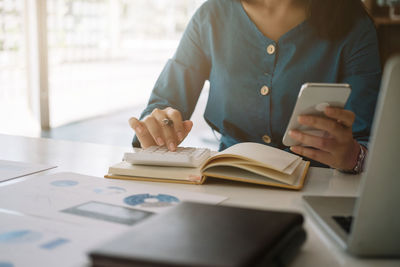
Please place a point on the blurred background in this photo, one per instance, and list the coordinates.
(78, 69)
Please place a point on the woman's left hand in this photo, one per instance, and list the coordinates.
(337, 148)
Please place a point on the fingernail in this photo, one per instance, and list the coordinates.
(294, 149)
(180, 135)
(171, 146)
(160, 141)
(139, 129)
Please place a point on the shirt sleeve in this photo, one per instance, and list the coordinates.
(362, 70)
(182, 79)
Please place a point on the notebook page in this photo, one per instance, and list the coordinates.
(292, 167)
(233, 173)
(267, 173)
(271, 157)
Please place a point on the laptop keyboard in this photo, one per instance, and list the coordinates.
(344, 222)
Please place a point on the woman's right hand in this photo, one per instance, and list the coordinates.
(152, 131)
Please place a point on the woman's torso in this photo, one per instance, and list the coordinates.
(254, 81)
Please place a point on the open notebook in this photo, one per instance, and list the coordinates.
(245, 162)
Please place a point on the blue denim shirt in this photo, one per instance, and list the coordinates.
(222, 44)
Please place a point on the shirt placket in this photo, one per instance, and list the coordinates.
(266, 87)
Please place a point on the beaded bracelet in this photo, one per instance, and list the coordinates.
(359, 167)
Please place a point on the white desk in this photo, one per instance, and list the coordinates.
(93, 159)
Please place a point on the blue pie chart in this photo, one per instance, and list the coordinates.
(149, 200)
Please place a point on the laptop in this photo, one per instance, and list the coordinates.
(369, 225)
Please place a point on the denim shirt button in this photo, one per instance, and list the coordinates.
(266, 139)
(264, 90)
(270, 49)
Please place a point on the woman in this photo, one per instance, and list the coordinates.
(256, 55)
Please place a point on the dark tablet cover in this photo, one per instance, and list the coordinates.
(193, 234)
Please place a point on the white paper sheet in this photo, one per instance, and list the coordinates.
(14, 169)
(86, 200)
(29, 241)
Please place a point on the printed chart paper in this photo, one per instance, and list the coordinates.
(86, 200)
(29, 241)
(14, 169)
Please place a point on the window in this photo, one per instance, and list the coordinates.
(106, 55)
(15, 108)
(103, 56)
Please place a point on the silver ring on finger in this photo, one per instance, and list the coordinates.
(167, 122)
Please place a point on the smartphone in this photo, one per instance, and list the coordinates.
(313, 98)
